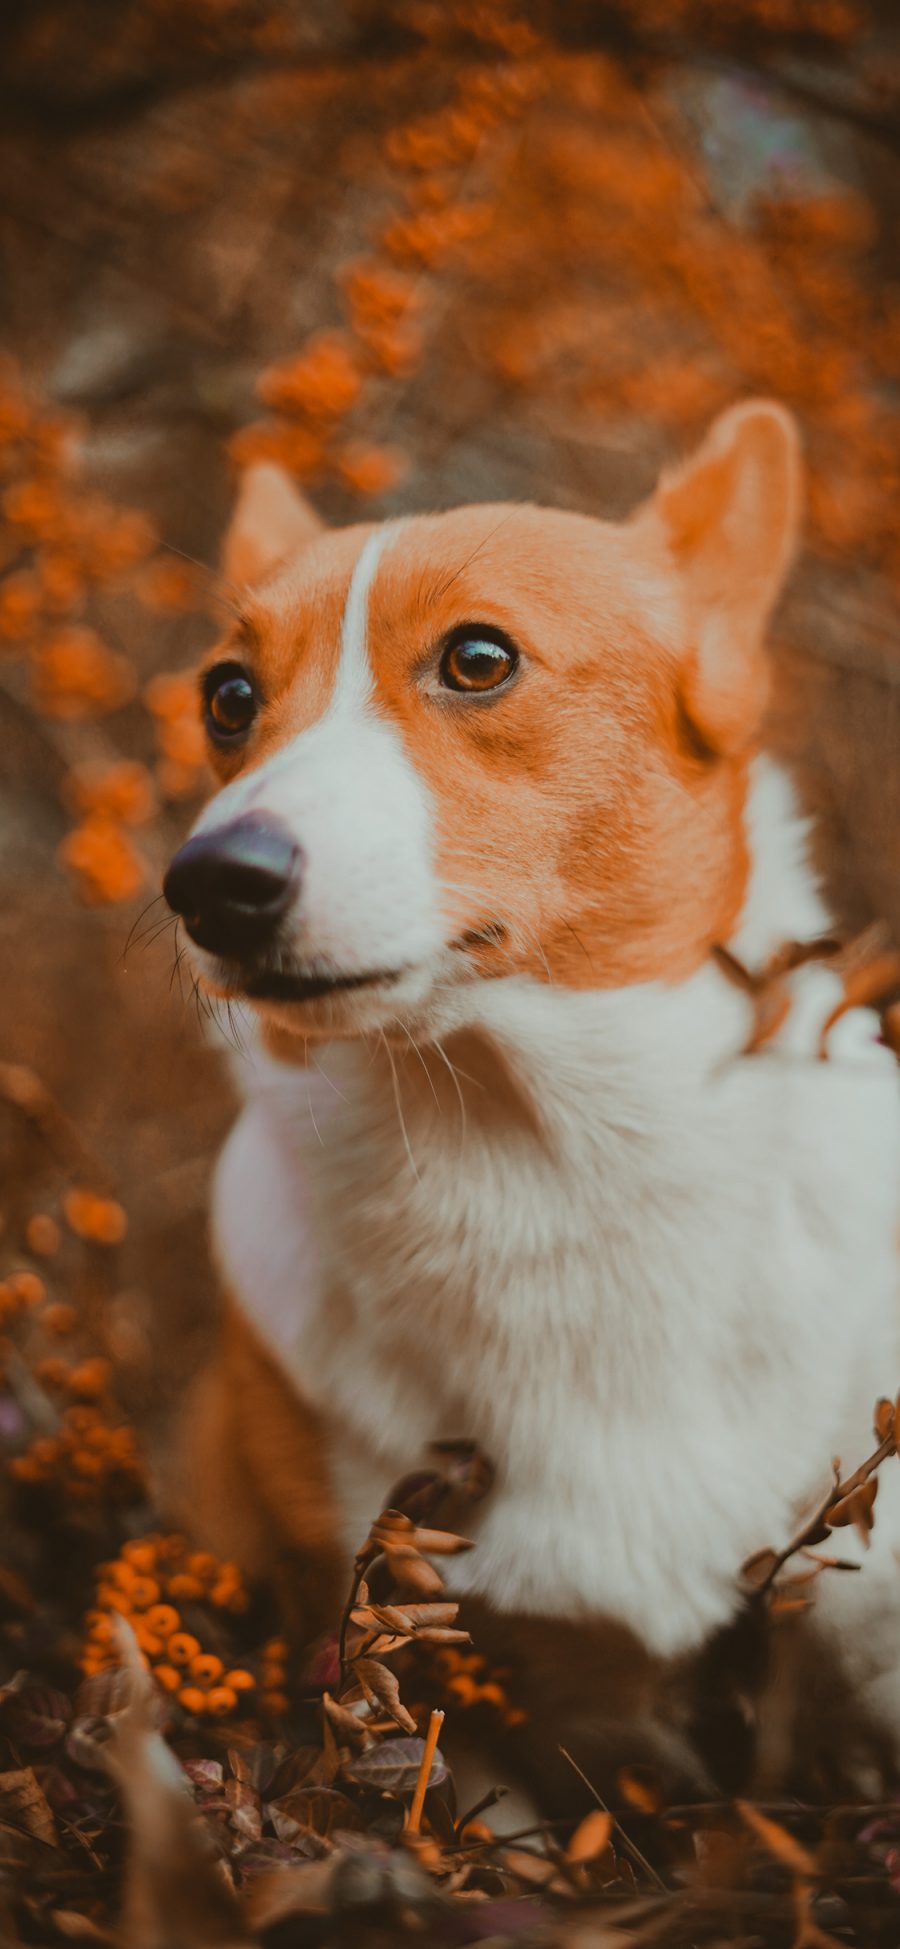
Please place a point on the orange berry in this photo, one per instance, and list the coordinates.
(114, 1600)
(20, 604)
(87, 1214)
(90, 1379)
(192, 1699)
(492, 1694)
(163, 1618)
(52, 1372)
(182, 1647)
(221, 1699)
(123, 1574)
(123, 791)
(369, 470)
(206, 1668)
(102, 1438)
(240, 1680)
(144, 1592)
(141, 1555)
(227, 1593)
(28, 1288)
(276, 1702)
(184, 1586)
(201, 1563)
(271, 1674)
(78, 1420)
(99, 1626)
(110, 1221)
(170, 585)
(277, 1648)
(59, 1319)
(147, 1640)
(170, 695)
(76, 676)
(42, 1235)
(167, 1677)
(464, 1689)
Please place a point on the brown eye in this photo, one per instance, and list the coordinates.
(478, 662)
(230, 701)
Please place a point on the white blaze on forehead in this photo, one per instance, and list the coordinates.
(353, 689)
(349, 794)
(353, 683)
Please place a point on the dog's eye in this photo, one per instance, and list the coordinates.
(478, 662)
(230, 701)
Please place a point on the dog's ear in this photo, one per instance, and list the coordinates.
(728, 521)
(270, 521)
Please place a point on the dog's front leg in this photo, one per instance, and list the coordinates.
(250, 1480)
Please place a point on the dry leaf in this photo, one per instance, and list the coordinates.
(884, 1419)
(591, 1837)
(640, 1791)
(412, 1571)
(776, 1839)
(24, 1805)
(856, 1508)
(347, 1723)
(381, 1687)
(440, 1542)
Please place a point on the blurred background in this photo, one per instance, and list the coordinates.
(423, 254)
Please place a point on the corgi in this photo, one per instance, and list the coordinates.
(490, 794)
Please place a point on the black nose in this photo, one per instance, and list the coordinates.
(232, 885)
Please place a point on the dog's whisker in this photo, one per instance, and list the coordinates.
(417, 1051)
(398, 1100)
(454, 1077)
(180, 953)
(136, 923)
(312, 1115)
(155, 932)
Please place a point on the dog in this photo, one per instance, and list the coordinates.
(491, 793)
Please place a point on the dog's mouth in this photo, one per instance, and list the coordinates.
(295, 985)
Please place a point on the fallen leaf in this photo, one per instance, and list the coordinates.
(591, 1837)
(322, 1811)
(24, 1805)
(776, 1840)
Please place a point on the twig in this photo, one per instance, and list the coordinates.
(418, 1800)
(361, 1564)
(817, 1528)
(630, 1846)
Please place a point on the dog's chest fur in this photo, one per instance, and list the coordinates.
(653, 1278)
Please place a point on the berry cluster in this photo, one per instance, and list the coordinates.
(149, 1583)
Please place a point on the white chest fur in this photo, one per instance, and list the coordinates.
(654, 1279)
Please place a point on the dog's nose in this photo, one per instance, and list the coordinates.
(232, 885)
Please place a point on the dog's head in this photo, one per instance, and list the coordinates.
(503, 739)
